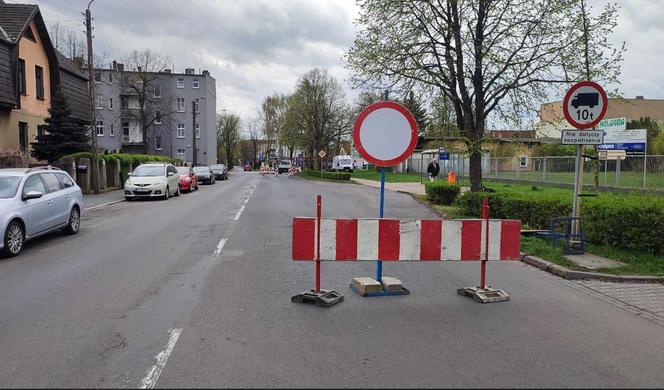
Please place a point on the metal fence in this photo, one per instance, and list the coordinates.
(638, 172)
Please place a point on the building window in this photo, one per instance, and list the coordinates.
(523, 162)
(197, 107)
(198, 130)
(157, 142)
(99, 103)
(111, 131)
(110, 78)
(21, 77)
(124, 102)
(180, 104)
(157, 117)
(98, 77)
(23, 136)
(39, 79)
(125, 131)
(110, 103)
(100, 128)
(157, 91)
(195, 84)
(29, 34)
(180, 154)
(180, 131)
(180, 82)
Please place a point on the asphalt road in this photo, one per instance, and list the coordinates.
(205, 281)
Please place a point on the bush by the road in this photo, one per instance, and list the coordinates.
(440, 192)
(623, 221)
(339, 176)
(125, 159)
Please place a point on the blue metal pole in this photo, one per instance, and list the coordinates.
(379, 264)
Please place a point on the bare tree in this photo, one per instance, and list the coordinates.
(489, 57)
(253, 128)
(142, 86)
(273, 110)
(228, 136)
(68, 42)
(318, 112)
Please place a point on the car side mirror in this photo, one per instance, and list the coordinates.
(169, 174)
(129, 174)
(33, 195)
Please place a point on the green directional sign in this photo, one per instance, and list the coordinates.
(613, 124)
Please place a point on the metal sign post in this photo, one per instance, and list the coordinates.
(584, 107)
(385, 134)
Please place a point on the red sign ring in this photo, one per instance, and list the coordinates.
(568, 96)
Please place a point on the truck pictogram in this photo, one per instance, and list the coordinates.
(590, 99)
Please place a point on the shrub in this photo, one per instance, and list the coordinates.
(625, 221)
(440, 192)
(339, 176)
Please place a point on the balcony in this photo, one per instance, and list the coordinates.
(127, 140)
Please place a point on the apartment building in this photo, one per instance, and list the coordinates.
(166, 124)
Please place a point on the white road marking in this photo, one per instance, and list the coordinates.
(103, 204)
(237, 216)
(161, 358)
(220, 246)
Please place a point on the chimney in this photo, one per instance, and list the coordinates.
(205, 72)
(639, 97)
(138, 68)
(120, 67)
(189, 71)
(115, 65)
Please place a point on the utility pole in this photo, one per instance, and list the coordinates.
(193, 132)
(91, 84)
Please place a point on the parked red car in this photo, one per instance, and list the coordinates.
(188, 180)
(247, 167)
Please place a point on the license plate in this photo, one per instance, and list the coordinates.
(142, 190)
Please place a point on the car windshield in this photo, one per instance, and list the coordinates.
(345, 161)
(285, 163)
(183, 170)
(148, 170)
(9, 186)
(216, 167)
(201, 169)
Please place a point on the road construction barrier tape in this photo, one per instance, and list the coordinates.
(405, 240)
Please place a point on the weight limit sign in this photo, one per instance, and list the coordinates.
(585, 105)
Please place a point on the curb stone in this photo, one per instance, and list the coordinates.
(424, 203)
(568, 274)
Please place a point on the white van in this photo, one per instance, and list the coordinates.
(342, 163)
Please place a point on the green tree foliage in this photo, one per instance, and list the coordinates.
(414, 105)
(63, 135)
(489, 58)
(228, 137)
(273, 113)
(544, 150)
(653, 131)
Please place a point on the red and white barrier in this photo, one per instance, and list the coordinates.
(406, 240)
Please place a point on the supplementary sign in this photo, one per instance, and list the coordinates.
(632, 141)
(585, 105)
(582, 137)
(406, 240)
(611, 154)
(385, 133)
(613, 124)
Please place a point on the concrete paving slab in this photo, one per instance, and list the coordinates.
(591, 261)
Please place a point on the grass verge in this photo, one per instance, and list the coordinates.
(635, 263)
(390, 177)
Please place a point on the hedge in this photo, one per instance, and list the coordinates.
(440, 192)
(125, 159)
(339, 176)
(623, 221)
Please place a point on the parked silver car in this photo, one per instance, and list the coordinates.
(34, 201)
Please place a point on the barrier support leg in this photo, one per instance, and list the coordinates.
(317, 296)
(381, 286)
(484, 293)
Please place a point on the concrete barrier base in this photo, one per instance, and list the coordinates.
(484, 295)
(324, 298)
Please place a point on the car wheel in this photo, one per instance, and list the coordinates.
(167, 194)
(177, 192)
(74, 221)
(14, 239)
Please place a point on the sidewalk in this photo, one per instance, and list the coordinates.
(412, 188)
(91, 200)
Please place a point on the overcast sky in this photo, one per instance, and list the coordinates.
(256, 47)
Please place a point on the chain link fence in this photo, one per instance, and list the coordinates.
(638, 172)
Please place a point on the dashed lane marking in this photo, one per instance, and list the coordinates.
(161, 358)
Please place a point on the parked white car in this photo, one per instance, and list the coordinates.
(36, 201)
(152, 180)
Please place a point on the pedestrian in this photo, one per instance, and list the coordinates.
(433, 169)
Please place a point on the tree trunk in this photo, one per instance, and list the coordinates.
(475, 167)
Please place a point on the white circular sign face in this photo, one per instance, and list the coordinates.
(585, 105)
(385, 133)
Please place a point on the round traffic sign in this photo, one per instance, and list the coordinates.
(385, 133)
(585, 104)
